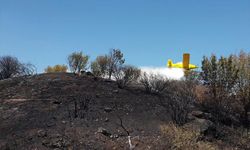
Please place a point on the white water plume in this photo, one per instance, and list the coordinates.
(170, 73)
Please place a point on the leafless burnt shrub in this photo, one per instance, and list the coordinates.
(124, 75)
(12, 67)
(121, 124)
(28, 69)
(84, 104)
(178, 100)
(9, 67)
(153, 83)
(81, 106)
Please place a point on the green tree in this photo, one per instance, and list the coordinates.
(242, 61)
(220, 76)
(99, 66)
(95, 69)
(78, 62)
(115, 59)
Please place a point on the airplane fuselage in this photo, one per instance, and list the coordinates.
(180, 65)
(184, 64)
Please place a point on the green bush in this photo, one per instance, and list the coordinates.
(228, 82)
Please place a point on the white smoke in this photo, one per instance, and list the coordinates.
(170, 73)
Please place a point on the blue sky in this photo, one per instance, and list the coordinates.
(148, 32)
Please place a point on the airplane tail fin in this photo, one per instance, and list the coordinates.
(170, 63)
(185, 61)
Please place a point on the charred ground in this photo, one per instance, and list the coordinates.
(38, 109)
(64, 111)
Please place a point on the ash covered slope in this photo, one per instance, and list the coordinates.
(64, 111)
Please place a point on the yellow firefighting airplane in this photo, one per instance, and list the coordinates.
(184, 64)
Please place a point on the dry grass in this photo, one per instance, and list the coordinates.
(201, 93)
(183, 139)
(235, 137)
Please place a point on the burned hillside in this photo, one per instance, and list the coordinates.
(66, 111)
